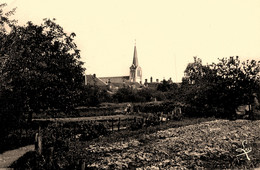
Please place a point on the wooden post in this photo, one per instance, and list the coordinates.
(112, 125)
(118, 125)
(39, 130)
(51, 152)
(26, 130)
(38, 143)
(20, 128)
(74, 134)
(50, 157)
(83, 166)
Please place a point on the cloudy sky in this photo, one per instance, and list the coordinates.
(168, 33)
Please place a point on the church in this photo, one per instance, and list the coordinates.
(134, 79)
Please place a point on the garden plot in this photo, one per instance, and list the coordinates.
(211, 144)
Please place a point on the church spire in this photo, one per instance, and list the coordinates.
(135, 60)
(135, 69)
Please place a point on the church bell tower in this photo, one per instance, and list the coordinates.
(135, 69)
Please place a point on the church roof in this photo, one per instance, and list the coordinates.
(118, 79)
(93, 80)
(126, 84)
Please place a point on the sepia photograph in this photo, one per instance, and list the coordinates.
(129, 84)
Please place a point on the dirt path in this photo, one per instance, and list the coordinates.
(8, 157)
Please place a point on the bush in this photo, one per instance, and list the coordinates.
(55, 135)
(136, 125)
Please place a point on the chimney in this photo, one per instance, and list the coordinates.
(151, 79)
(94, 75)
(157, 80)
(145, 81)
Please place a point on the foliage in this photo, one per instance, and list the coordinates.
(56, 133)
(156, 107)
(75, 150)
(166, 86)
(236, 81)
(57, 140)
(7, 121)
(42, 70)
(194, 71)
(134, 95)
(19, 137)
(5, 21)
(93, 96)
(124, 95)
(222, 86)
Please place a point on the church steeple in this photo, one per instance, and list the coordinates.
(135, 69)
(135, 60)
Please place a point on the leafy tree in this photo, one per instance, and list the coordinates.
(236, 82)
(145, 94)
(43, 70)
(93, 96)
(195, 84)
(166, 86)
(124, 95)
(133, 95)
(5, 21)
(6, 24)
(194, 71)
(224, 85)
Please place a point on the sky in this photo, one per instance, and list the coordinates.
(168, 33)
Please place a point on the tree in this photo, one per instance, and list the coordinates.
(194, 71)
(6, 24)
(166, 86)
(195, 84)
(43, 70)
(93, 96)
(224, 85)
(236, 82)
(124, 95)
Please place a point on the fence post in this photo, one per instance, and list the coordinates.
(118, 125)
(38, 143)
(74, 134)
(143, 122)
(112, 125)
(82, 166)
(50, 159)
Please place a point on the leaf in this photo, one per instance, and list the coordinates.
(239, 150)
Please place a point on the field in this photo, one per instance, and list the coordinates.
(207, 145)
(191, 143)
